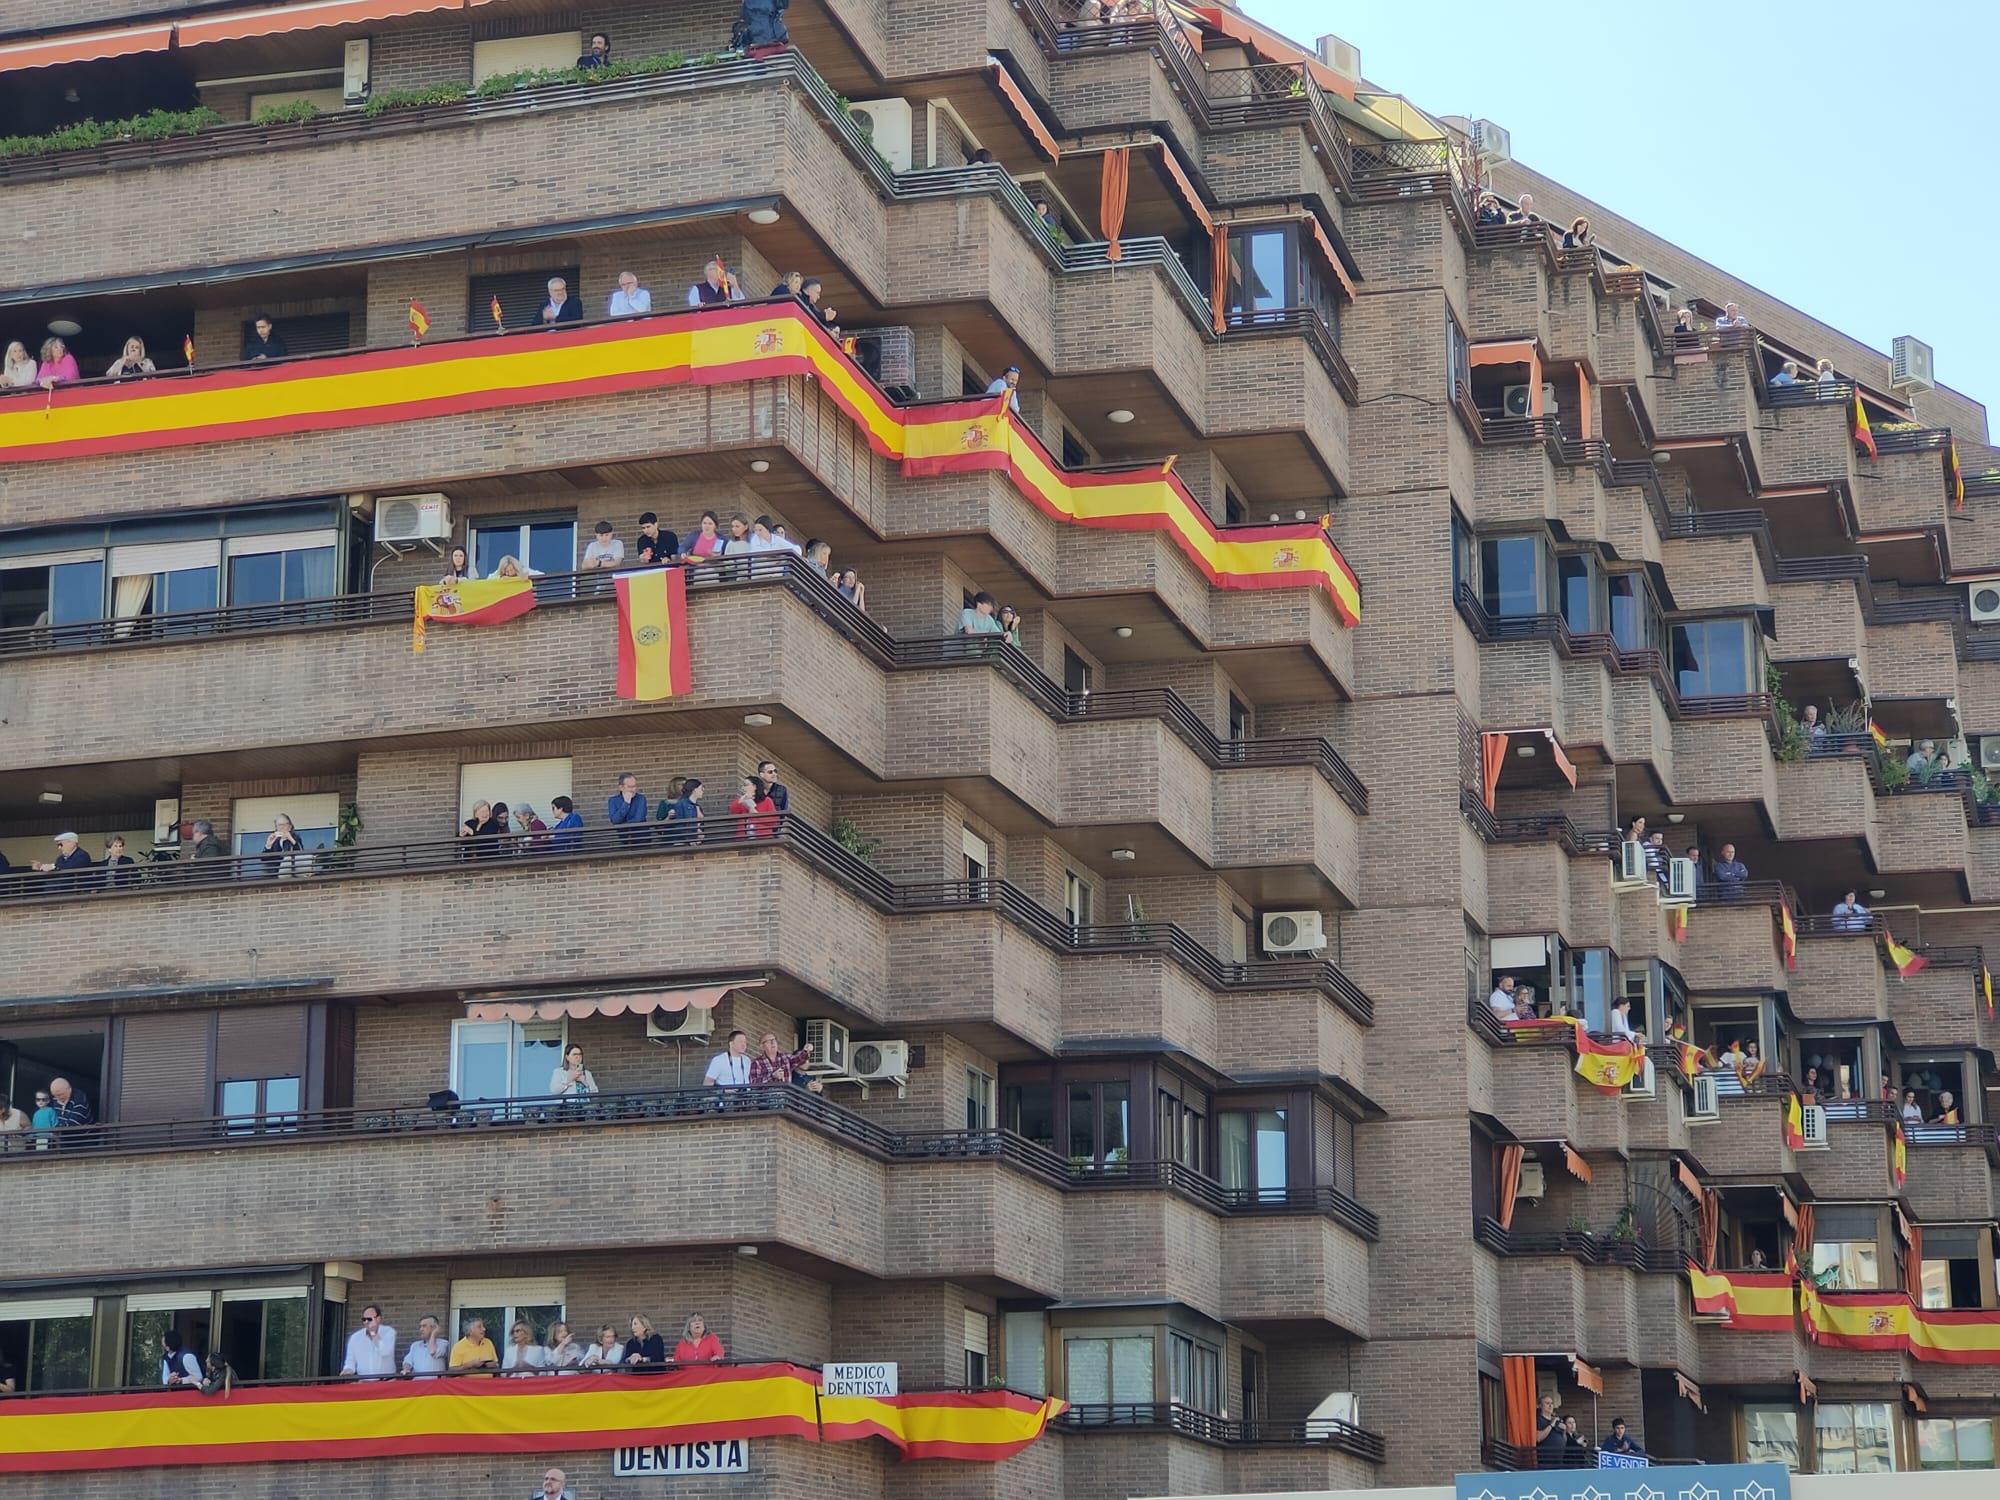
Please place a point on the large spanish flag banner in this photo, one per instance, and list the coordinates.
(378, 1418)
(653, 660)
(1609, 1065)
(715, 345)
(1890, 1320)
(1755, 1301)
(473, 601)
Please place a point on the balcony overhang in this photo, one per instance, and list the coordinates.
(570, 1005)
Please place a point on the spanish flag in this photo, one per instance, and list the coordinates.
(1875, 733)
(1907, 962)
(1986, 988)
(1693, 1059)
(499, 318)
(420, 321)
(1609, 1065)
(1677, 923)
(471, 601)
(1861, 433)
(1790, 932)
(1957, 479)
(1795, 1122)
(1899, 1155)
(653, 661)
(187, 350)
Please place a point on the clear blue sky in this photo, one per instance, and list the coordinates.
(1839, 156)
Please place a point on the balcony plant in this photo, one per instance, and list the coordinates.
(155, 125)
(1626, 1226)
(1791, 733)
(346, 834)
(847, 833)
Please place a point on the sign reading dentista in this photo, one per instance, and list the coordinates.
(1673, 1482)
(699, 1456)
(858, 1380)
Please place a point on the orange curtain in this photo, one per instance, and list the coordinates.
(1517, 1379)
(1913, 1266)
(1510, 1181)
(1111, 201)
(1492, 756)
(1711, 1224)
(1218, 276)
(1802, 1239)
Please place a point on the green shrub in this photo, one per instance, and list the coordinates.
(158, 125)
(429, 95)
(286, 114)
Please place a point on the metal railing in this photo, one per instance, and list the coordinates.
(1277, 93)
(1386, 171)
(1496, 1456)
(1207, 1427)
(1307, 323)
(1585, 1247)
(1911, 439)
(1809, 392)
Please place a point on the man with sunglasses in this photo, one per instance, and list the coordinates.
(371, 1348)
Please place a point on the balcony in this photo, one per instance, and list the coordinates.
(1950, 1173)
(1805, 436)
(1856, 1161)
(1839, 975)
(1107, 1419)
(1907, 485)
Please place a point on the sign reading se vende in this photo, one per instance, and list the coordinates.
(858, 1380)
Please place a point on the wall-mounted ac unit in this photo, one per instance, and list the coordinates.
(1632, 862)
(1706, 1100)
(1680, 880)
(1514, 398)
(828, 1040)
(1812, 1126)
(1534, 1182)
(880, 1062)
(1293, 932)
(354, 72)
(1492, 142)
(1910, 365)
(1989, 753)
(1982, 601)
(1343, 57)
(889, 124)
(412, 518)
(692, 1024)
(1642, 1084)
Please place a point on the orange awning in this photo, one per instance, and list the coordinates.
(1689, 1389)
(573, 1007)
(1688, 1180)
(1171, 165)
(88, 46)
(1588, 1376)
(1332, 256)
(1024, 109)
(272, 20)
(1235, 24)
(1578, 1167)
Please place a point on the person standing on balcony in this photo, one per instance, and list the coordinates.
(1578, 236)
(697, 1345)
(1621, 1022)
(977, 617)
(776, 790)
(1549, 1439)
(770, 1066)
(751, 801)
(655, 548)
(599, 55)
(1732, 317)
(646, 1347)
(571, 1078)
(44, 1120)
(12, 1121)
(263, 342)
(474, 1354)
(604, 549)
(760, 27)
(1730, 873)
(69, 857)
(1849, 915)
(561, 307)
(1912, 1113)
(132, 363)
(811, 290)
(1618, 1442)
(371, 1348)
(1788, 373)
(1008, 385)
(20, 369)
(1824, 373)
(684, 813)
(716, 285)
(1501, 1001)
(58, 366)
(1490, 211)
(429, 1353)
(566, 1351)
(630, 300)
(1524, 212)
(119, 867)
(627, 807)
(1947, 1108)
(1684, 322)
(730, 1068)
(206, 844)
(524, 1356)
(607, 1353)
(178, 1364)
(1921, 761)
(565, 837)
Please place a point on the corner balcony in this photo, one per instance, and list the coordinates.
(1941, 1005)
(1831, 796)
(1160, 1447)
(1839, 976)
(1908, 485)
(1805, 437)
(1950, 1173)
(1856, 1162)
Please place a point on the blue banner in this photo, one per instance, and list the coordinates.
(1673, 1482)
(1609, 1460)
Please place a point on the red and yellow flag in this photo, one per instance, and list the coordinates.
(471, 601)
(1890, 1320)
(1795, 1122)
(499, 317)
(1899, 1154)
(653, 659)
(1906, 961)
(187, 350)
(1609, 1065)
(1677, 923)
(420, 321)
(1861, 433)
(1986, 988)
(1692, 1059)
(1789, 931)
(1875, 733)
(1957, 478)
(1752, 1301)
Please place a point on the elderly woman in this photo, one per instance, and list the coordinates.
(607, 1353)
(132, 363)
(58, 366)
(524, 1356)
(697, 1344)
(20, 369)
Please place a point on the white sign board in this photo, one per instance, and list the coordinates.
(701, 1456)
(858, 1380)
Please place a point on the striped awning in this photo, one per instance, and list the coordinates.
(86, 46)
(574, 1007)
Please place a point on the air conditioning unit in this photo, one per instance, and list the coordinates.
(1982, 602)
(1910, 363)
(828, 1040)
(1706, 1101)
(1342, 1408)
(354, 72)
(1533, 1183)
(1492, 142)
(412, 518)
(881, 1062)
(1812, 1127)
(1680, 880)
(695, 1023)
(1989, 753)
(1641, 1086)
(889, 125)
(1632, 863)
(1515, 399)
(1343, 57)
(1293, 932)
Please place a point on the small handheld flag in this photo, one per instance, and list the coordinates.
(1907, 961)
(187, 350)
(420, 321)
(1876, 733)
(499, 319)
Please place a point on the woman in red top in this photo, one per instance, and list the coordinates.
(697, 1345)
(752, 798)
(708, 541)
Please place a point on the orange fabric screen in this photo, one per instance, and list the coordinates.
(1111, 200)
(91, 46)
(1802, 1243)
(1913, 1266)
(1509, 1182)
(1711, 1222)
(275, 20)
(1492, 756)
(1218, 277)
(1517, 1378)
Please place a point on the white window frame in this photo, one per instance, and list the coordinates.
(980, 1090)
(536, 1088)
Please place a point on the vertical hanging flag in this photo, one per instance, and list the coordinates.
(653, 659)
(1957, 478)
(1875, 733)
(499, 318)
(1861, 433)
(1905, 960)
(1677, 923)
(420, 321)
(1795, 1122)
(1986, 988)
(1900, 1153)
(187, 350)
(1790, 933)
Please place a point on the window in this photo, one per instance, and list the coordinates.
(501, 1303)
(315, 817)
(273, 569)
(1194, 1373)
(535, 782)
(1511, 575)
(1180, 1123)
(1952, 1259)
(1576, 574)
(164, 577)
(1854, 1439)
(1024, 1337)
(1074, 454)
(515, 54)
(978, 855)
(258, 1106)
(1253, 1386)
(1262, 271)
(977, 1331)
(1771, 1435)
(1714, 658)
(1108, 1371)
(1464, 557)
(1239, 937)
(1234, 512)
(59, 590)
(542, 544)
(1076, 672)
(1954, 1442)
(1030, 1112)
(1854, 1265)
(971, 382)
(1635, 619)
(1076, 899)
(978, 1100)
(1239, 718)
(148, 1315)
(263, 1332)
(1458, 358)
(1251, 1147)
(1100, 1123)
(504, 1059)
(48, 1343)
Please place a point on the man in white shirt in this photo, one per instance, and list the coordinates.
(605, 550)
(1501, 1001)
(730, 1069)
(1731, 317)
(430, 1354)
(178, 1365)
(371, 1348)
(630, 299)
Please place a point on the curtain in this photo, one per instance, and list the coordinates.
(1913, 1266)
(1517, 1378)
(1492, 756)
(1218, 276)
(1509, 1183)
(1111, 201)
(1802, 1239)
(128, 597)
(1711, 1223)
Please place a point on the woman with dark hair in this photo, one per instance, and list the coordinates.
(708, 541)
(751, 799)
(684, 814)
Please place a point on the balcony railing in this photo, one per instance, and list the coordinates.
(1669, 1257)
(1307, 323)
(1207, 1427)
(776, 570)
(1279, 93)
(1911, 439)
(1497, 1457)
(1387, 171)
(1809, 392)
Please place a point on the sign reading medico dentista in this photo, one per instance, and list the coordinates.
(858, 1380)
(1672, 1482)
(702, 1456)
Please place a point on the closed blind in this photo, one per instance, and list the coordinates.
(521, 295)
(509, 1291)
(264, 1043)
(975, 1331)
(163, 1066)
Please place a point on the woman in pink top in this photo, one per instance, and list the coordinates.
(58, 366)
(709, 541)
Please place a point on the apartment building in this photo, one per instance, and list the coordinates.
(1376, 569)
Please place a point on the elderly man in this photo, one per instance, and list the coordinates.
(1730, 873)
(631, 299)
(1732, 317)
(1922, 761)
(206, 844)
(716, 285)
(70, 856)
(72, 1108)
(371, 1348)
(561, 307)
(555, 1486)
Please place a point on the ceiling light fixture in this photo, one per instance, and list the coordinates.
(1124, 855)
(1123, 632)
(763, 216)
(65, 328)
(1121, 416)
(1877, 895)
(757, 721)
(1526, 752)
(760, 466)
(1676, 817)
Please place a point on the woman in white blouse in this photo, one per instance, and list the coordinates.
(523, 1353)
(571, 1077)
(608, 1353)
(20, 369)
(565, 1353)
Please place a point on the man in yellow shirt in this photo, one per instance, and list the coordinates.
(474, 1354)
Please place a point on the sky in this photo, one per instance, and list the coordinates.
(1835, 155)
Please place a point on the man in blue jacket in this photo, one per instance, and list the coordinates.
(627, 808)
